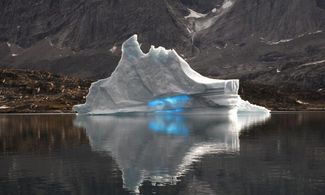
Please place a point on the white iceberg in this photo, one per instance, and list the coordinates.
(159, 81)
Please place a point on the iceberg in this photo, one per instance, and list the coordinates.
(159, 81)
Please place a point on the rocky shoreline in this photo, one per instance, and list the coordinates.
(283, 97)
(27, 91)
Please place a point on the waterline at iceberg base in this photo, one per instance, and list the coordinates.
(161, 81)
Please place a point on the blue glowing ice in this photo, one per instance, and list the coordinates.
(169, 103)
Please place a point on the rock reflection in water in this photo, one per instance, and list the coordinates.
(47, 154)
(162, 147)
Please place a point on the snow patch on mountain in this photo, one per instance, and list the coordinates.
(227, 4)
(194, 14)
(205, 21)
(113, 49)
(280, 41)
(313, 63)
(290, 39)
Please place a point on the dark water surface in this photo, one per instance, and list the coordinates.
(165, 154)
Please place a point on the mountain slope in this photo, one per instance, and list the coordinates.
(279, 42)
(50, 33)
(265, 41)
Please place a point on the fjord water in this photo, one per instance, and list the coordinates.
(163, 154)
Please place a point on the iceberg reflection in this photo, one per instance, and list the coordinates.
(168, 123)
(162, 147)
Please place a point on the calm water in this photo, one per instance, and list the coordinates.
(166, 154)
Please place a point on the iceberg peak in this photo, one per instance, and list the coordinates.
(132, 48)
(158, 81)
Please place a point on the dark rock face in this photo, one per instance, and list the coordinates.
(320, 4)
(81, 24)
(280, 42)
